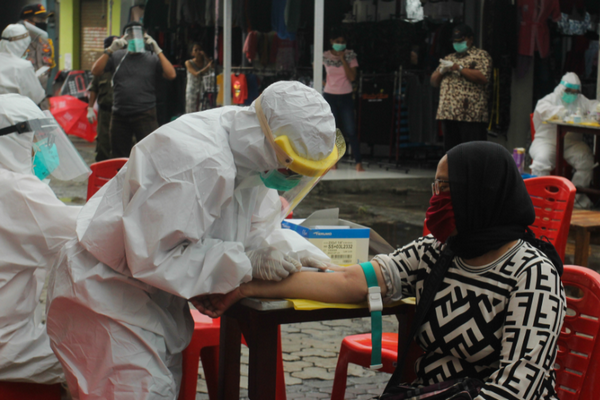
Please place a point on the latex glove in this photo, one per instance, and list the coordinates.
(271, 264)
(562, 112)
(445, 66)
(91, 115)
(117, 44)
(151, 42)
(315, 263)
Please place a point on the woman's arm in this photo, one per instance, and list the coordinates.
(346, 286)
(191, 70)
(348, 70)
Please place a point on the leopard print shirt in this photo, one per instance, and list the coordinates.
(461, 100)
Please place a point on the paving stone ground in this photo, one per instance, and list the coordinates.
(310, 352)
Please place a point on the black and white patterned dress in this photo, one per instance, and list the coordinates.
(499, 322)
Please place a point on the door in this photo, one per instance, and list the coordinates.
(93, 31)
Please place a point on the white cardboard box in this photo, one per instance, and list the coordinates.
(345, 242)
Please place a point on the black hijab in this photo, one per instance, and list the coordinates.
(491, 204)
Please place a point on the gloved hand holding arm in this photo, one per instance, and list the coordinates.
(270, 264)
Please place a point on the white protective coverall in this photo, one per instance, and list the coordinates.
(576, 152)
(17, 75)
(173, 224)
(35, 225)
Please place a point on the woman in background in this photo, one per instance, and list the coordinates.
(340, 66)
(196, 67)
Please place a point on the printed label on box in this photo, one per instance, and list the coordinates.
(341, 252)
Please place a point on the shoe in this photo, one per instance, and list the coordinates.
(359, 167)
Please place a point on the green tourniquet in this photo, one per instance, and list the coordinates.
(376, 319)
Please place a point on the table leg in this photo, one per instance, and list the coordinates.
(582, 247)
(560, 148)
(262, 363)
(230, 343)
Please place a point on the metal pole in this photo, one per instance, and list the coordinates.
(227, 52)
(318, 45)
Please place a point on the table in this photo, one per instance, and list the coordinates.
(561, 130)
(258, 320)
(584, 223)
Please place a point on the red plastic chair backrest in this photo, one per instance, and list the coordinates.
(578, 358)
(102, 172)
(552, 198)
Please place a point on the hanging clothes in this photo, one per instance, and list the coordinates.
(534, 34)
(239, 88)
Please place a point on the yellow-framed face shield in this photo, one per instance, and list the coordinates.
(306, 173)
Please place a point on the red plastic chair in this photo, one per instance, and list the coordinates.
(552, 198)
(578, 358)
(356, 349)
(29, 391)
(204, 347)
(102, 172)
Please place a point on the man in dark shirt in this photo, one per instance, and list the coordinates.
(101, 89)
(134, 74)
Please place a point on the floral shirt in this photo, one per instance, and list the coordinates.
(461, 100)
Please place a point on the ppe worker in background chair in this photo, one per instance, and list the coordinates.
(35, 225)
(101, 89)
(565, 100)
(16, 74)
(192, 212)
(41, 49)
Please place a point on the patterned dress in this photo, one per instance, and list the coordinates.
(498, 322)
(194, 90)
(461, 100)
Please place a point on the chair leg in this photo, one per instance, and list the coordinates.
(341, 374)
(189, 380)
(280, 378)
(210, 363)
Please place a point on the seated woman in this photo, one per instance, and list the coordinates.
(500, 308)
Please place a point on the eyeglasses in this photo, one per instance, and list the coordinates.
(436, 189)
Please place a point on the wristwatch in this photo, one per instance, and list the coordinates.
(108, 51)
(460, 68)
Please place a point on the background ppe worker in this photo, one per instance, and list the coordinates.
(35, 225)
(566, 99)
(188, 214)
(17, 74)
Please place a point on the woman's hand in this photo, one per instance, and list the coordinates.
(214, 305)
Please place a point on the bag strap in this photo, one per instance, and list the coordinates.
(430, 288)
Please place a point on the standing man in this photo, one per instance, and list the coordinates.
(17, 75)
(134, 73)
(464, 78)
(101, 89)
(41, 50)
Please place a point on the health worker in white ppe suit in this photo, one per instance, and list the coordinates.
(17, 74)
(34, 226)
(190, 213)
(565, 100)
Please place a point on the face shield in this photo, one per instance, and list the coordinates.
(298, 174)
(53, 153)
(135, 39)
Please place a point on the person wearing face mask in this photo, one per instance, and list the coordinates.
(134, 74)
(463, 79)
(17, 74)
(41, 49)
(340, 67)
(35, 224)
(485, 321)
(197, 209)
(566, 99)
